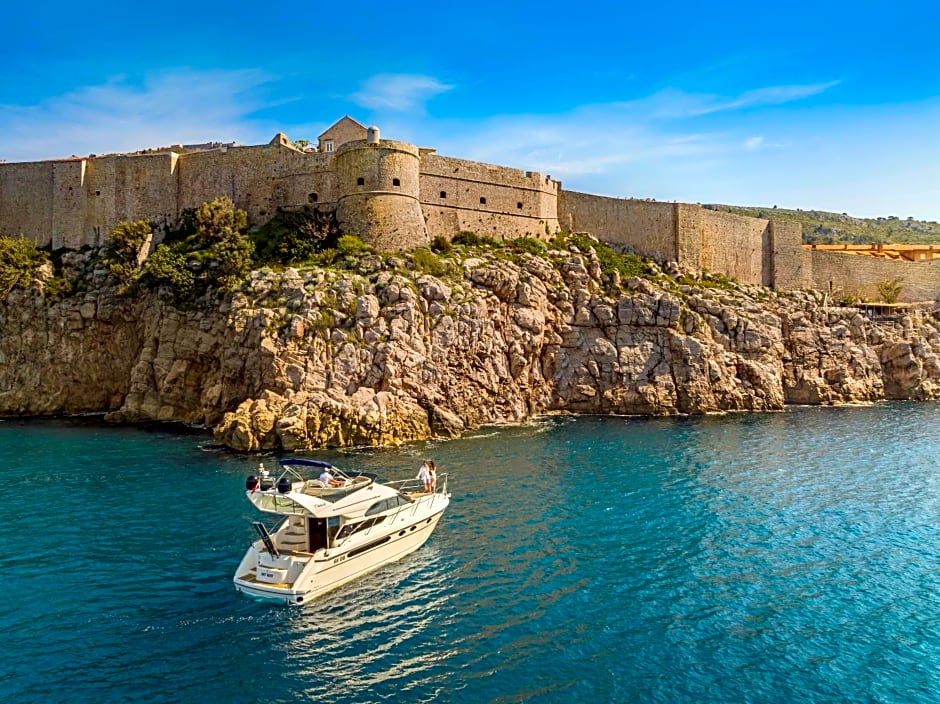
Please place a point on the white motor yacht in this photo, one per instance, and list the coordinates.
(331, 533)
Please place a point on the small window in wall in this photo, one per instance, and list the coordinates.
(360, 181)
(443, 194)
(328, 146)
(482, 200)
(97, 193)
(396, 182)
(313, 197)
(519, 205)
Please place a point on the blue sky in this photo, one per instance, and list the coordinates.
(827, 105)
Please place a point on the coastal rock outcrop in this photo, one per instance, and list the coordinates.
(377, 354)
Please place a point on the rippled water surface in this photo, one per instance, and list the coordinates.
(748, 558)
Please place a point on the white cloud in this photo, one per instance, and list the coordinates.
(398, 92)
(118, 115)
(753, 142)
(672, 103)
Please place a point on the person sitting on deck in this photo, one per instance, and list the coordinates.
(329, 480)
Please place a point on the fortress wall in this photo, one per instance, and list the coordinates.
(855, 275)
(457, 194)
(734, 245)
(26, 201)
(789, 263)
(104, 189)
(647, 227)
(68, 203)
(127, 188)
(477, 172)
(259, 180)
(446, 222)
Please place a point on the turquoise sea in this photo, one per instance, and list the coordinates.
(786, 557)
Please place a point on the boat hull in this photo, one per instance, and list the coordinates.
(326, 570)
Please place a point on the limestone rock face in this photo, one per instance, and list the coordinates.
(375, 356)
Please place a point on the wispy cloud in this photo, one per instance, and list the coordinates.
(672, 103)
(398, 92)
(121, 115)
(753, 143)
(774, 95)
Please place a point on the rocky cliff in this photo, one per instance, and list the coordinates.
(380, 354)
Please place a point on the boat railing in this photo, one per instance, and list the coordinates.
(409, 487)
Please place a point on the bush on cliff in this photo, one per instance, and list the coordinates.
(425, 261)
(167, 273)
(209, 251)
(626, 265)
(347, 247)
(20, 263)
(294, 237)
(472, 239)
(122, 255)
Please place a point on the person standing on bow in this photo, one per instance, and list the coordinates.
(432, 471)
(424, 474)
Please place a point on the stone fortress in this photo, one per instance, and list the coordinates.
(396, 195)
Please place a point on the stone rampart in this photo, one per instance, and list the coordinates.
(123, 188)
(648, 227)
(858, 276)
(790, 266)
(498, 201)
(26, 200)
(259, 179)
(733, 244)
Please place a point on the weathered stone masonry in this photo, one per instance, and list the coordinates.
(396, 195)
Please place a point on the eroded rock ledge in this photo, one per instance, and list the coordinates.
(379, 355)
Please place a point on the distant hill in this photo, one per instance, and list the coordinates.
(820, 227)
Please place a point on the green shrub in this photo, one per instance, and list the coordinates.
(441, 245)
(352, 245)
(166, 271)
(123, 250)
(890, 290)
(528, 244)
(209, 251)
(427, 262)
(58, 287)
(20, 261)
(465, 237)
(627, 265)
(708, 280)
(294, 237)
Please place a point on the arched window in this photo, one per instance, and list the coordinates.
(360, 181)
(482, 200)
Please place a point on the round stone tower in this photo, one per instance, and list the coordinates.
(378, 193)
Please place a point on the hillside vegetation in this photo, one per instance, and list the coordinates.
(820, 227)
